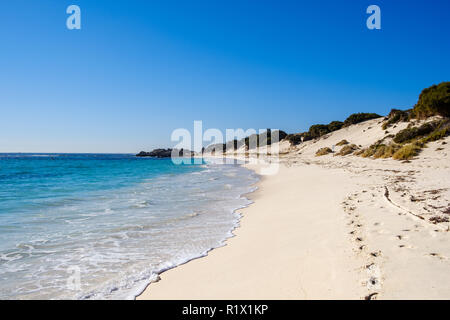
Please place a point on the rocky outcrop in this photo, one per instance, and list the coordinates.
(166, 153)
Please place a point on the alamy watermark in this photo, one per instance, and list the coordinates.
(73, 22)
(254, 146)
(374, 20)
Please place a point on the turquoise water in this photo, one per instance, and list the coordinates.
(111, 222)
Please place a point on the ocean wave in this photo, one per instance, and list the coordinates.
(118, 238)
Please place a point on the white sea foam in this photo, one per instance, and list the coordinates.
(123, 239)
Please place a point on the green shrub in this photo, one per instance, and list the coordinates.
(409, 134)
(307, 136)
(314, 132)
(318, 130)
(434, 100)
(323, 151)
(281, 136)
(386, 151)
(407, 152)
(437, 135)
(417, 137)
(342, 142)
(359, 117)
(347, 150)
(379, 150)
(371, 150)
(264, 139)
(396, 116)
(368, 152)
(335, 125)
(390, 150)
(294, 139)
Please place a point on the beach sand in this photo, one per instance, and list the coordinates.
(332, 227)
(291, 245)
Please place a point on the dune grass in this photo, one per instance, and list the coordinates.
(348, 149)
(407, 152)
(323, 151)
(342, 142)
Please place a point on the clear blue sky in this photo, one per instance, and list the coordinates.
(139, 69)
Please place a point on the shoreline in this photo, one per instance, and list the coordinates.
(232, 271)
(332, 227)
(156, 277)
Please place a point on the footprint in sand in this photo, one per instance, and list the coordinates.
(406, 246)
(373, 281)
(370, 266)
(374, 275)
(437, 255)
(371, 296)
(376, 254)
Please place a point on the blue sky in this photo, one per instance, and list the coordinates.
(137, 70)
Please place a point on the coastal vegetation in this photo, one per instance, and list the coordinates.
(342, 142)
(347, 149)
(323, 151)
(437, 134)
(379, 150)
(318, 130)
(359, 117)
(294, 139)
(407, 143)
(407, 152)
(263, 139)
(411, 133)
(433, 101)
(250, 142)
(396, 116)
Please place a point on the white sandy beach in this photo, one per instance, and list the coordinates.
(332, 227)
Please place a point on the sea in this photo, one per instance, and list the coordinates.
(104, 226)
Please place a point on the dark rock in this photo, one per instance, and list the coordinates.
(166, 153)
